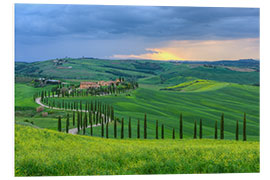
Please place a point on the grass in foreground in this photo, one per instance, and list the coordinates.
(41, 152)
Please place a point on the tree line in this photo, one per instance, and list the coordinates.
(82, 125)
(71, 91)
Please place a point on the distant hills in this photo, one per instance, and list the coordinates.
(243, 71)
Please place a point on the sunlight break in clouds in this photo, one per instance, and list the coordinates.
(155, 53)
(201, 50)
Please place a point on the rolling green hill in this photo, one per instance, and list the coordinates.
(147, 71)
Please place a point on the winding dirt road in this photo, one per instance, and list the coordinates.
(74, 130)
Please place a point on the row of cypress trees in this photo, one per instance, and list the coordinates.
(82, 124)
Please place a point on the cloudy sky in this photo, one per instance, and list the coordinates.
(45, 32)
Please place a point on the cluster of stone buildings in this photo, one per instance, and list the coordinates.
(86, 85)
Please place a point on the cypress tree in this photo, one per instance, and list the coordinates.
(81, 119)
(115, 128)
(156, 129)
(102, 128)
(122, 129)
(138, 129)
(244, 128)
(84, 122)
(107, 130)
(173, 134)
(85, 116)
(59, 124)
(112, 114)
(129, 128)
(97, 118)
(162, 131)
(78, 121)
(222, 126)
(91, 127)
(181, 127)
(237, 131)
(195, 130)
(145, 126)
(201, 129)
(94, 117)
(216, 131)
(67, 123)
(90, 116)
(73, 118)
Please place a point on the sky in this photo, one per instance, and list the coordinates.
(45, 32)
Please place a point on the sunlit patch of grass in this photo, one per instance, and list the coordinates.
(198, 85)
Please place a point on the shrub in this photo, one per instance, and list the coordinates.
(44, 114)
(39, 109)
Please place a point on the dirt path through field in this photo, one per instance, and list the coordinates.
(74, 130)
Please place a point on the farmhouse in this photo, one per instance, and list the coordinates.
(52, 81)
(86, 85)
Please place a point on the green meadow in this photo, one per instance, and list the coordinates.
(40, 152)
(166, 106)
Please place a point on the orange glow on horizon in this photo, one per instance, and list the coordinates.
(201, 50)
(155, 54)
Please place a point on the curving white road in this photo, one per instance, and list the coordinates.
(74, 130)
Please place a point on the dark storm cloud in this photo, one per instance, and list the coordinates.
(109, 22)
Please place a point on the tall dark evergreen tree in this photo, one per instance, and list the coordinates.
(138, 129)
(162, 131)
(237, 131)
(85, 116)
(122, 129)
(107, 130)
(59, 124)
(90, 116)
(112, 113)
(78, 121)
(84, 124)
(145, 126)
(91, 127)
(81, 119)
(245, 128)
(156, 129)
(129, 128)
(201, 133)
(102, 127)
(67, 123)
(222, 126)
(115, 128)
(73, 118)
(216, 130)
(181, 127)
(195, 130)
(173, 134)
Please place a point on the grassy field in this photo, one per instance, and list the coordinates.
(165, 106)
(60, 154)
